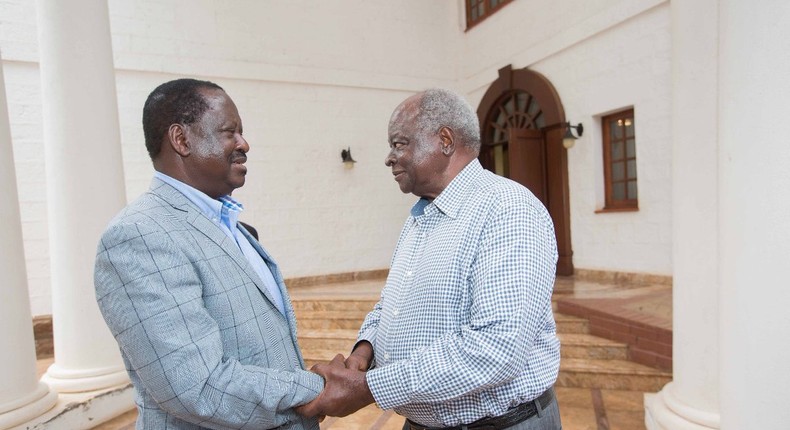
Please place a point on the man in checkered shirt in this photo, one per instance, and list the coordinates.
(464, 335)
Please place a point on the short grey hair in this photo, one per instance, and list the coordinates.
(444, 108)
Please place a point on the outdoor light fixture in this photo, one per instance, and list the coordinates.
(569, 139)
(346, 156)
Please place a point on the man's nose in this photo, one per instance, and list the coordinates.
(389, 160)
(243, 144)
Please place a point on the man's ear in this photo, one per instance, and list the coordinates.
(447, 139)
(177, 138)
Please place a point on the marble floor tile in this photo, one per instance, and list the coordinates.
(574, 397)
(626, 420)
(575, 418)
(628, 401)
(369, 417)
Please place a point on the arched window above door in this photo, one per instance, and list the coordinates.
(518, 109)
(515, 110)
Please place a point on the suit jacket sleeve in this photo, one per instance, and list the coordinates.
(152, 299)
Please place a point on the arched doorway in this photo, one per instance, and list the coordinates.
(521, 124)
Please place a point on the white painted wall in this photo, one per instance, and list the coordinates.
(311, 78)
(601, 56)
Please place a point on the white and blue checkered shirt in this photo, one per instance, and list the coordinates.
(464, 328)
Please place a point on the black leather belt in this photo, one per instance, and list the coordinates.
(510, 418)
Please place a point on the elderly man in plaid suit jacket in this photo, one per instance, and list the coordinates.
(198, 307)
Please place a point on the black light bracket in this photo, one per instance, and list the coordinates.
(345, 155)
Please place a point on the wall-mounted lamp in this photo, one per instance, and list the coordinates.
(346, 156)
(569, 139)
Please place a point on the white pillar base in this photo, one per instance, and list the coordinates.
(664, 411)
(28, 407)
(83, 411)
(78, 381)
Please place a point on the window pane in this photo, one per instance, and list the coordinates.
(618, 190)
(618, 171)
(615, 130)
(632, 169)
(629, 127)
(630, 148)
(501, 119)
(478, 10)
(534, 108)
(632, 190)
(617, 150)
(510, 106)
(521, 100)
(540, 121)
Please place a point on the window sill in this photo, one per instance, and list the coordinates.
(608, 210)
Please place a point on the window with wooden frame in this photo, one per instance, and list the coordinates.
(619, 159)
(478, 10)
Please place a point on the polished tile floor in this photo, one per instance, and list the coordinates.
(580, 408)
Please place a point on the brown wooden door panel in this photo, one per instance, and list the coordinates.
(528, 161)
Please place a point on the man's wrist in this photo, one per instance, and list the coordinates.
(363, 351)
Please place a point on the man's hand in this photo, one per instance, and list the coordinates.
(345, 391)
(361, 356)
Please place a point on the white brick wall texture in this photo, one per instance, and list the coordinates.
(312, 78)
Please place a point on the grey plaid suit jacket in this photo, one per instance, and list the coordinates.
(204, 345)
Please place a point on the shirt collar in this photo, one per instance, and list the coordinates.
(451, 199)
(226, 208)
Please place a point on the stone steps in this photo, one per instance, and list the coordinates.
(329, 319)
(351, 319)
(332, 304)
(611, 375)
(323, 344)
(580, 345)
(571, 324)
(330, 326)
(336, 340)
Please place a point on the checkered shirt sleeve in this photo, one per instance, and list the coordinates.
(464, 328)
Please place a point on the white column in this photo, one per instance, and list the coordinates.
(84, 183)
(691, 401)
(22, 396)
(754, 214)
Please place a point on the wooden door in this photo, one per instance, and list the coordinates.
(521, 119)
(527, 161)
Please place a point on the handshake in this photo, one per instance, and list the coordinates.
(345, 387)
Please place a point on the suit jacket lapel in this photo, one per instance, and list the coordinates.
(203, 225)
(278, 277)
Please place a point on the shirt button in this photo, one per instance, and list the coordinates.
(395, 312)
(387, 356)
(408, 274)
